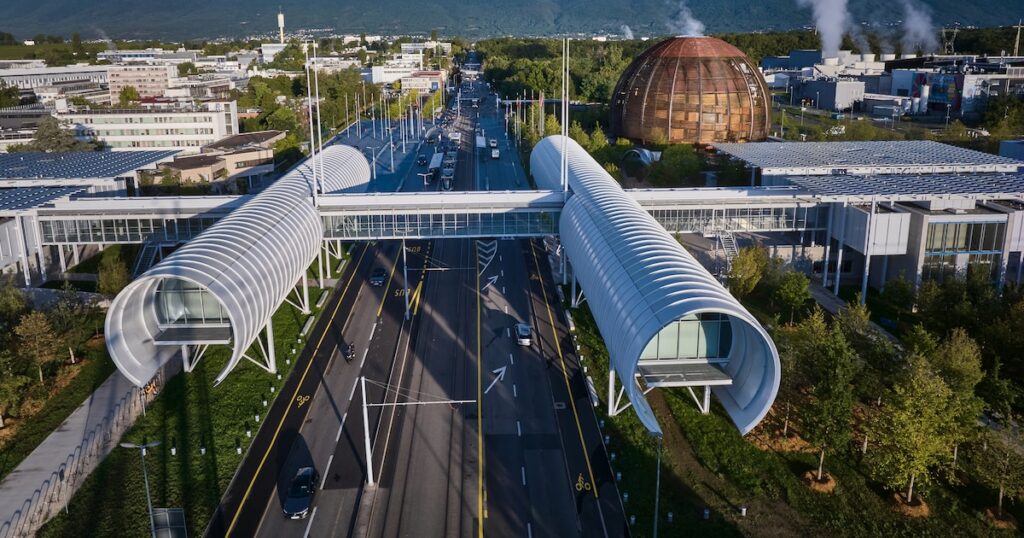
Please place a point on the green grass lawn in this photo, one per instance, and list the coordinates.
(95, 369)
(190, 413)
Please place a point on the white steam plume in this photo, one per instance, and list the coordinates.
(627, 31)
(830, 18)
(684, 23)
(918, 28)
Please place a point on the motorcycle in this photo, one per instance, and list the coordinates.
(350, 353)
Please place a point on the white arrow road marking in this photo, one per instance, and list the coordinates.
(499, 377)
(490, 281)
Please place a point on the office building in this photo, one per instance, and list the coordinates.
(149, 80)
(186, 128)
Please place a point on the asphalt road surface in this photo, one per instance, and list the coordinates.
(477, 434)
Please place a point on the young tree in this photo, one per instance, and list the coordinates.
(899, 292)
(997, 461)
(577, 133)
(551, 125)
(798, 345)
(958, 362)
(11, 391)
(748, 267)
(826, 416)
(598, 138)
(911, 431)
(12, 306)
(128, 96)
(36, 339)
(113, 274)
(793, 291)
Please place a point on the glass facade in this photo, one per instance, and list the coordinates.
(747, 219)
(704, 337)
(507, 224)
(180, 302)
(109, 230)
(965, 237)
(980, 242)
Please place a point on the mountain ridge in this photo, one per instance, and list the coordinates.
(198, 19)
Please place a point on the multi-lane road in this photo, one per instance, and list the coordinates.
(478, 435)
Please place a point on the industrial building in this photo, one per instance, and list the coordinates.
(34, 77)
(691, 90)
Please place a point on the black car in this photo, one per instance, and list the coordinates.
(421, 160)
(300, 493)
(378, 277)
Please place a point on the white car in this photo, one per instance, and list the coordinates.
(523, 334)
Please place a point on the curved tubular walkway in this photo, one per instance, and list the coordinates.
(639, 280)
(248, 261)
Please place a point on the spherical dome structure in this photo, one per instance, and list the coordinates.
(691, 90)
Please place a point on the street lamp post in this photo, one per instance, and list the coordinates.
(373, 157)
(145, 478)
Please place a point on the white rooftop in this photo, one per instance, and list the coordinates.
(886, 157)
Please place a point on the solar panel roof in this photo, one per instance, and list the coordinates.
(79, 164)
(30, 197)
(862, 154)
(895, 186)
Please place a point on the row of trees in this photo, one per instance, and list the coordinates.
(910, 409)
(517, 65)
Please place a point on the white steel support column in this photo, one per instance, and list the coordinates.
(839, 251)
(74, 255)
(271, 354)
(366, 436)
(23, 250)
(611, 391)
(867, 256)
(828, 246)
(305, 292)
(405, 278)
(707, 400)
(320, 264)
(63, 260)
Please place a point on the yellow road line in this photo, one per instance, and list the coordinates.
(565, 374)
(416, 298)
(480, 404)
(288, 409)
(387, 288)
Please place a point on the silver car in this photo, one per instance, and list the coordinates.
(523, 334)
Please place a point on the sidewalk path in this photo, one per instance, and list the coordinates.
(43, 483)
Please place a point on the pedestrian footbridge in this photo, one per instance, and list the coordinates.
(666, 321)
